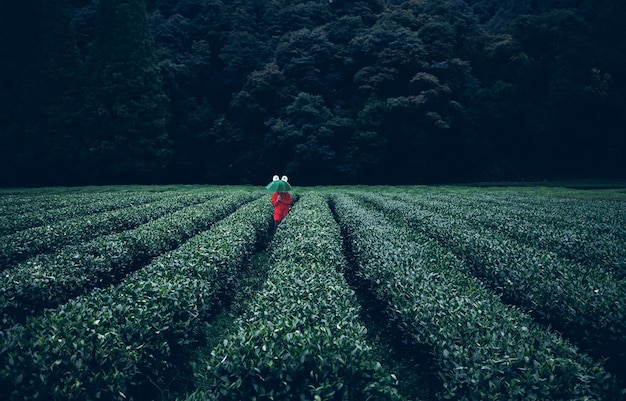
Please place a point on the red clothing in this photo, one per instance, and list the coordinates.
(281, 202)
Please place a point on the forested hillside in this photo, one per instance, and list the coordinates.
(329, 92)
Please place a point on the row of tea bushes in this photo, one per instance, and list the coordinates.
(33, 214)
(51, 279)
(597, 215)
(608, 216)
(17, 203)
(585, 239)
(301, 337)
(23, 244)
(483, 349)
(585, 303)
(124, 341)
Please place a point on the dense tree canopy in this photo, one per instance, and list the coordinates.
(329, 92)
(125, 105)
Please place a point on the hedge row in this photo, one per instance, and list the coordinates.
(301, 338)
(571, 230)
(584, 302)
(28, 215)
(23, 244)
(607, 216)
(51, 279)
(18, 202)
(484, 349)
(120, 342)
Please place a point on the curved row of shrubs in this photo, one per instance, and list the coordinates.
(125, 341)
(608, 216)
(31, 199)
(28, 215)
(301, 337)
(484, 349)
(50, 279)
(37, 240)
(585, 303)
(598, 215)
(585, 238)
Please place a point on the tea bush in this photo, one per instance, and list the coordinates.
(43, 239)
(568, 228)
(583, 302)
(119, 342)
(51, 279)
(52, 209)
(301, 337)
(484, 349)
(488, 282)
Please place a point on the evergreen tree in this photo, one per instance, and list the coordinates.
(443, 90)
(126, 106)
(38, 81)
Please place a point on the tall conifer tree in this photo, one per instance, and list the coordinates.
(126, 106)
(38, 78)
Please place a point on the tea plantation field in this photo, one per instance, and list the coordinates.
(361, 293)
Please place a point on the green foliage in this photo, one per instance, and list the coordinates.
(50, 280)
(120, 342)
(44, 238)
(485, 281)
(581, 300)
(596, 239)
(38, 91)
(190, 91)
(49, 209)
(126, 105)
(483, 349)
(304, 138)
(301, 337)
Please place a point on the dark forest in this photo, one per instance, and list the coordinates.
(327, 92)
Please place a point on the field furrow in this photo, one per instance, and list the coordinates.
(28, 215)
(483, 348)
(609, 217)
(126, 341)
(362, 293)
(23, 244)
(585, 240)
(49, 280)
(18, 203)
(583, 302)
(301, 337)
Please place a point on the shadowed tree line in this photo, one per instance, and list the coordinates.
(372, 91)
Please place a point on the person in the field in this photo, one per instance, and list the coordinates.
(281, 202)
